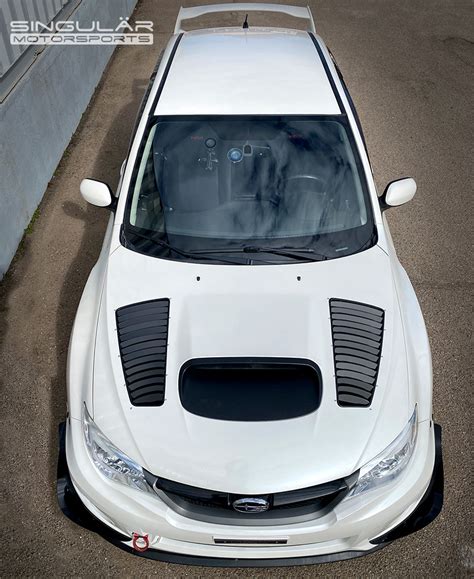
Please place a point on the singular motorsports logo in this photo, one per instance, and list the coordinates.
(70, 32)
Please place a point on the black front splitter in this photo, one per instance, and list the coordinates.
(430, 505)
(72, 506)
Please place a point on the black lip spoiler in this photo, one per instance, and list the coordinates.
(70, 503)
(430, 505)
(72, 506)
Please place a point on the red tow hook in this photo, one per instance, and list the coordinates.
(140, 542)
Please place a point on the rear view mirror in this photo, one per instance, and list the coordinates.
(398, 192)
(97, 193)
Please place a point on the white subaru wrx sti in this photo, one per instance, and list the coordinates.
(249, 375)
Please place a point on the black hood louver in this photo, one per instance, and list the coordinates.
(357, 334)
(143, 341)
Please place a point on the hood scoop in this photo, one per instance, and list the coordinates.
(143, 340)
(357, 333)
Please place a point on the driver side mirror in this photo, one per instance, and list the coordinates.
(97, 193)
(397, 193)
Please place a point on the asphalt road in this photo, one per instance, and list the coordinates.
(408, 65)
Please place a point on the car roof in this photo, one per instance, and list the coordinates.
(259, 71)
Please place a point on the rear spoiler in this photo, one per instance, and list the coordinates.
(195, 11)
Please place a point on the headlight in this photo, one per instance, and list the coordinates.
(390, 463)
(109, 460)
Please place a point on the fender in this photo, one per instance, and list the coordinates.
(82, 342)
(416, 342)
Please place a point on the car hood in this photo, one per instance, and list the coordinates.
(269, 311)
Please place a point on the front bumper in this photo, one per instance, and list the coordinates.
(74, 508)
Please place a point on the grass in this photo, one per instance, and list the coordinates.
(21, 246)
(34, 217)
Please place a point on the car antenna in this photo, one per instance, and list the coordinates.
(245, 25)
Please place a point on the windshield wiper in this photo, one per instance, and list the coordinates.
(305, 253)
(369, 243)
(190, 254)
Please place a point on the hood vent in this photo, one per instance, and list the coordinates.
(143, 339)
(357, 332)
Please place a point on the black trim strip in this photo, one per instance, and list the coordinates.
(250, 541)
(145, 97)
(328, 73)
(350, 101)
(165, 76)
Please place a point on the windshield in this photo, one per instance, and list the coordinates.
(207, 187)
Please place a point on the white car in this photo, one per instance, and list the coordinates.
(249, 375)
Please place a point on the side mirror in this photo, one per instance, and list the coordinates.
(397, 193)
(97, 193)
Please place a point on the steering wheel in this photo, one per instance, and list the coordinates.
(308, 185)
(304, 184)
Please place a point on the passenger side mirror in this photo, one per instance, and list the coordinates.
(397, 193)
(97, 193)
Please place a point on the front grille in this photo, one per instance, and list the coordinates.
(283, 507)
